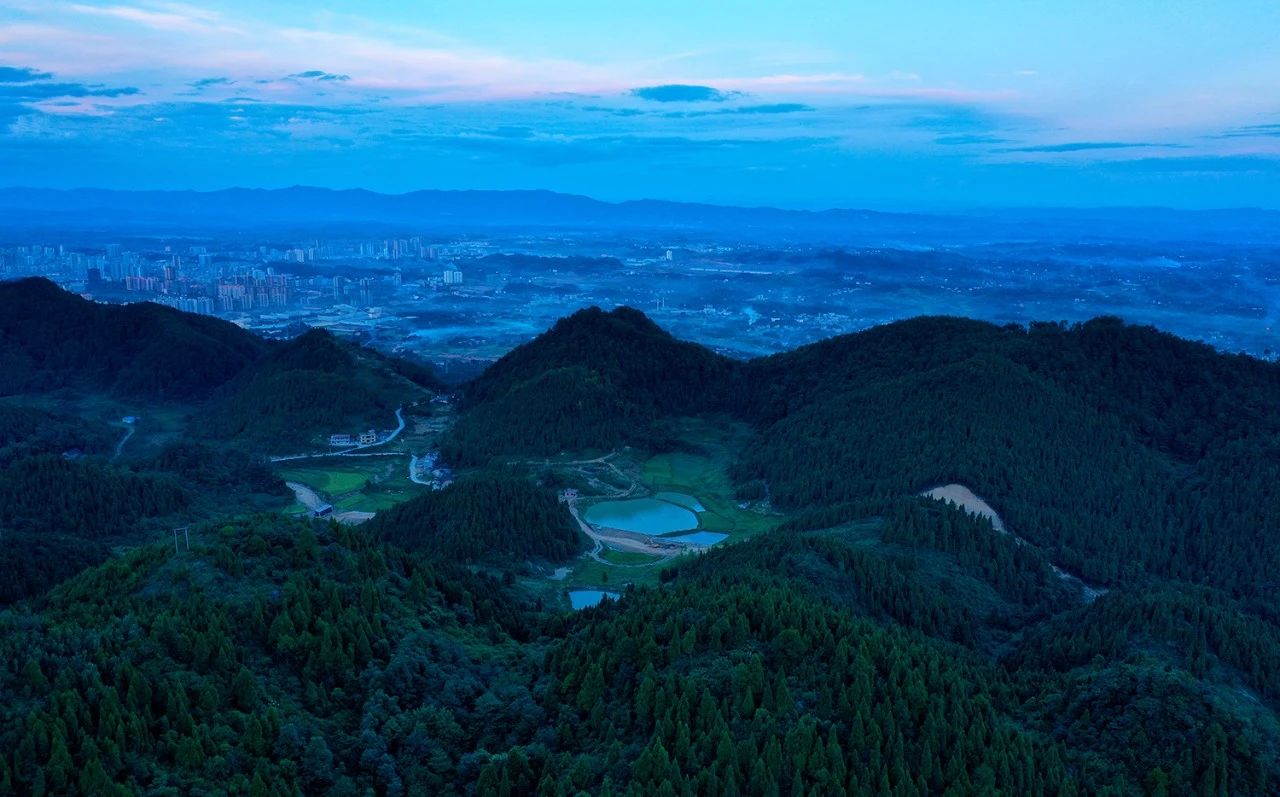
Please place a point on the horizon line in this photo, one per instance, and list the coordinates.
(939, 209)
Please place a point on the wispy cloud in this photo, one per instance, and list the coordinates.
(203, 83)
(1081, 146)
(44, 91)
(21, 74)
(123, 77)
(679, 92)
(967, 139)
(173, 17)
(1252, 131)
(317, 74)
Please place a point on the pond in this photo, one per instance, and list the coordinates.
(686, 501)
(642, 515)
(583, 598)
(707, 538)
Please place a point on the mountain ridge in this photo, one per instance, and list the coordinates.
(258, 208)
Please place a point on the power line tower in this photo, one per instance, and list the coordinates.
(186, 537)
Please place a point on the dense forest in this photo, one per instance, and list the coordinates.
(495, 517)
(313, 384)
(31, 431)
(1122, 452)
(1119, 637)
(52, 339)
(278, 657)
(237, 386)
(594, 381)
(59, 515)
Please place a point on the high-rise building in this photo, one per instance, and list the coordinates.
(452, 276)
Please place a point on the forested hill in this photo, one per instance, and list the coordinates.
(875, 643)
(52, 339)
(239, 387)
(1123, 452)
(313, 384)
(210, 400)
(595, 380)
(279, 657)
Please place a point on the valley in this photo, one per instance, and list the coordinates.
(616, 561)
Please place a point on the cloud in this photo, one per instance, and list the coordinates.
(777, 107)
(1206, 165)
(211, 81)
(969, 138)
(44, 91)
(173, 17)
(512, 131)
(774, 108)
(316, 74)
(21, 74)
(678, 92)
(1251, 131)
(613, 111)
(1082, 146)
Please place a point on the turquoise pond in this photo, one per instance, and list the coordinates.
(707, 538)
(686, 501)
(642, 515)
(584, 598)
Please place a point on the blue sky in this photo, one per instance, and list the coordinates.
(800, 104)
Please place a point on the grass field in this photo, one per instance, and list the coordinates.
(706, 480)
(628, 557)
(590, 574)
(331, 481)
(703, 475)
(368, 484)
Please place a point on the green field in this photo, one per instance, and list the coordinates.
(628, 557)
(705, 476)
(590, 574)
(365, 484)
(330, 481)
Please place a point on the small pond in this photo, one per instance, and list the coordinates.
(642, 515)
(583, 598)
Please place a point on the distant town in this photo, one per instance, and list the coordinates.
(461, 302)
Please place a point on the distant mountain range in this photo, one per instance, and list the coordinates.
(322, 209)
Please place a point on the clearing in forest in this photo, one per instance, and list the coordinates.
(964, 498)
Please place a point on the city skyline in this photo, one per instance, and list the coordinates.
(813, 106)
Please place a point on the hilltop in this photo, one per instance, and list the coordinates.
(237, 386)
(595, 380)
(52, 339)
(206, 399)
(311, 385)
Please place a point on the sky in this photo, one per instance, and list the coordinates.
(806, 104)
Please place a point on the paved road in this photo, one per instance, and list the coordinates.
(120, 445)
(305, 495)
(638, 543)
(400, 424)
(413, 471)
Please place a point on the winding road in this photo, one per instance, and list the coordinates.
(120, 445)
(638, 543)
(400, 424)
(413, 471)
